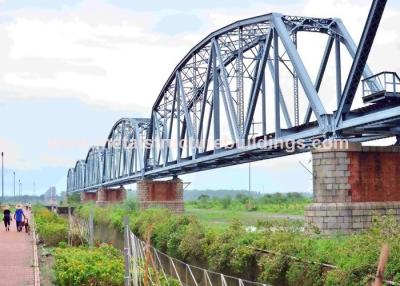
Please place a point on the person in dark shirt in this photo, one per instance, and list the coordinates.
(7, 217)
(19, 217)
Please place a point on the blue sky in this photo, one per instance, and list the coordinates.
(69, 69)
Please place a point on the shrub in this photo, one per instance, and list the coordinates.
(167, 236)
(192, 242)
(273, 269)
(131, 205)
(304, 274)
(53, 233)
(225, 202)
(101, 266)
(52, 228)
(223, 250)
(142, 223)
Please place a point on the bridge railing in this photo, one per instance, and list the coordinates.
(385, 84)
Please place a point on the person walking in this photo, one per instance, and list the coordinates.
(19, 217)
(7, 217)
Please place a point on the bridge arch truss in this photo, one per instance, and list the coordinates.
(241, 84)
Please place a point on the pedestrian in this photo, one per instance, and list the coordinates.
(7, 217)
(19, 217)
(27, 226)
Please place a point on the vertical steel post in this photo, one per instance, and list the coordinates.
(276, 86)
(126, 251)
(295, 87)
(249, 177)
(264, 107)
(239, 82)
(216, 99)
(178, 120)
(91, 228)
(338, 72)
(2, 176)
(69, 224)
(14, 183)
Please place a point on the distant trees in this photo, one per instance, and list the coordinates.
(293, 202)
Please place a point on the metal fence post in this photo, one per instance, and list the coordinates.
(126, 251)
(69, 225)
(91, 228)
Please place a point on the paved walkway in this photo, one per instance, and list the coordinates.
(16, 256)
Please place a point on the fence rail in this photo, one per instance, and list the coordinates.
(145, 265)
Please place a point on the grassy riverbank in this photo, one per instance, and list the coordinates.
(235, 250)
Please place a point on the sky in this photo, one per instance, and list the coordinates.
(69, 69)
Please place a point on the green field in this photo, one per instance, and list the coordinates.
(220, 212)
(222, 218)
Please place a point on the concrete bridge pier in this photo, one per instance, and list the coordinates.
(168, 194)
(352, 184)
(110, 195)
(104, 196)
(88, 197)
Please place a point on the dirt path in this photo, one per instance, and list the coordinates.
(16, 257)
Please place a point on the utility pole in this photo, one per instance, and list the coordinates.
(14, 183)
(252, 134)
(2, 176)
(249, 177)
(19, 187)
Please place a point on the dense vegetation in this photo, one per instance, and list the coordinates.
(102, 266)
(290, 203)
(52, 228)
(236, 250)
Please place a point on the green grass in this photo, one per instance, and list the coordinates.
(289, 209)
(217, 218)
(287, 204)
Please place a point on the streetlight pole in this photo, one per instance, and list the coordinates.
(14, 183)
(19, 187)
(2, 176)
(249, 177)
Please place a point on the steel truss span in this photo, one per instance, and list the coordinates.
(243, 84)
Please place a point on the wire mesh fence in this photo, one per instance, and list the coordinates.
(149, 266)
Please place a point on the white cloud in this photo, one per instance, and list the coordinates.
(13, 155)
(115, 55)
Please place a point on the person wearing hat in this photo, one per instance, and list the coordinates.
(19, 217)
(7, 217)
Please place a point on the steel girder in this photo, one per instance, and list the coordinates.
(121, 156)
(226, 96)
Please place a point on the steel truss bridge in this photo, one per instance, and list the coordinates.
(244, 84)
